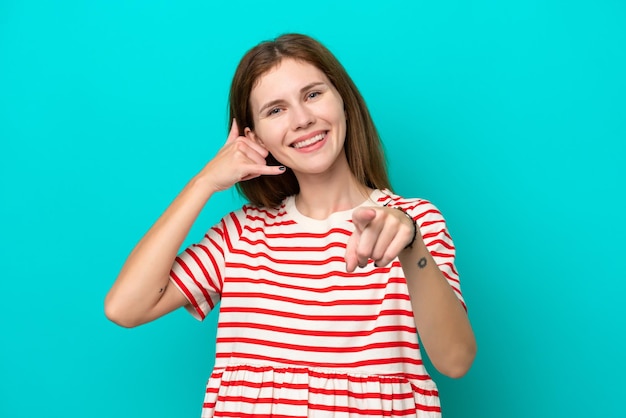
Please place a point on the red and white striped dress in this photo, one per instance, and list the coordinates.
(297, 335)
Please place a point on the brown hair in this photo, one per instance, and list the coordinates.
(363, 147)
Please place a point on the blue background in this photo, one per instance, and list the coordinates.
(509, 116)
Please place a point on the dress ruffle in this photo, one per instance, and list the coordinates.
(244, 391)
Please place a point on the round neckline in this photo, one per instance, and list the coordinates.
(345, 215)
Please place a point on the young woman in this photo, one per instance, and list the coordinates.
(326, 278)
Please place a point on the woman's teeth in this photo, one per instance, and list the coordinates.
(309, 141)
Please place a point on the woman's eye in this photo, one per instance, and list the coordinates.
(274, 111)
(313, 94)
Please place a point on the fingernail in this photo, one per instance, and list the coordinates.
(281, 168)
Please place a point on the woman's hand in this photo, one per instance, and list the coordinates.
(380, 233)
(239, 159)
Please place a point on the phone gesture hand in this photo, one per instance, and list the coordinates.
(239, 159)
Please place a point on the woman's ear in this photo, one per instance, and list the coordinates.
(249, 133)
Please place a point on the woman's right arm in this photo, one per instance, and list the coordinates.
(141, 292)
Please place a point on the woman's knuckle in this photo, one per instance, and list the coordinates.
(362, 253)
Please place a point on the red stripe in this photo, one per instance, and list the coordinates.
(280, 360)
(429, 223)
(221, 235)
(428, 212)
(331, 408)
(393, 198)
(448, 277)
(206, 274)
(375, 412)
(319, 407)
(249, 209)
(301, 275)
(359, 395)
(327, 289)
(240, 414)
(217, 246)
(437, 233)
(438, 254)
(187, 270)
(235, 222)
(452, 268)
(293, 248)
(323, 391)
(215, 269)
(318, 349)
(266, 400)
(314, 235)
(275, 224)
(298, 301)
(261, 385)
(266, 256)
(421, 202)
(316, 333)
(187, 293)
(389, 378)
(294, 315)
(440, 242)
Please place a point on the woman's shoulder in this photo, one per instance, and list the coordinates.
(388, 198)
(416, 206)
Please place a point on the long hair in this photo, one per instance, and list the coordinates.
(362, 146)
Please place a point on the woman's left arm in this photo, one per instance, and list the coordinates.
(381, 234)
(440, 317)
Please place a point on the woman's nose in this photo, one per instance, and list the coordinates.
(302, 117)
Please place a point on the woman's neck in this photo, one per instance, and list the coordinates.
(324, 194)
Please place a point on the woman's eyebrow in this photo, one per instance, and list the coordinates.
(311, 85)
(302, 90)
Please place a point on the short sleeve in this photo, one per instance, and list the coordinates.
(438, 240)
(198, 271)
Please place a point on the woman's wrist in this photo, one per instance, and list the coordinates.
(203, 183)
(413, 222)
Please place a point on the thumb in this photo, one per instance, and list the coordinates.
(361, 217)
(234, 132)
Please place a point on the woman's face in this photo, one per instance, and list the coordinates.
(299, 117)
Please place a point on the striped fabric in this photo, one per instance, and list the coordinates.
(297, 335)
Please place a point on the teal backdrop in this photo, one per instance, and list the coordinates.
(509, 116)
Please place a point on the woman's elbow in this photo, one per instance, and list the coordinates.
(118, 315)
(458, 362)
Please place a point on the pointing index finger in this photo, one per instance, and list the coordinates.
(361, 217)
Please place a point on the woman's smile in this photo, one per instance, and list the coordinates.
(310, 142)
